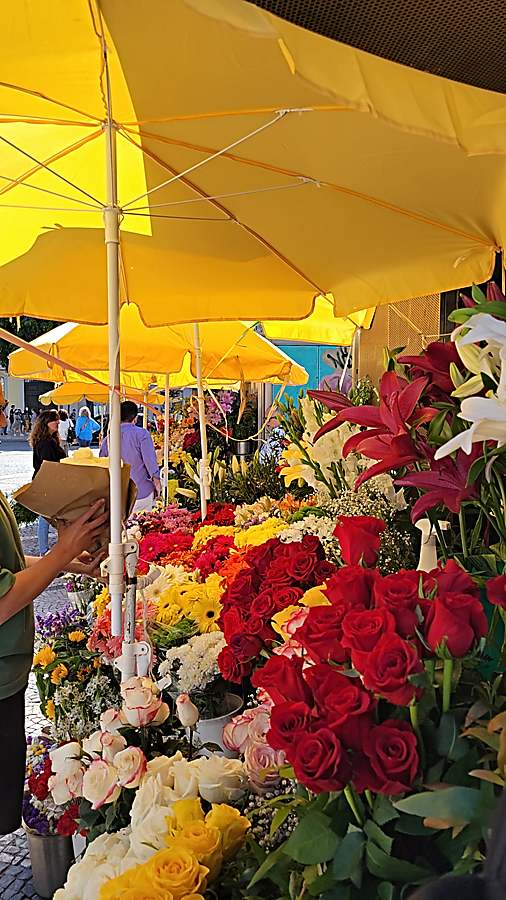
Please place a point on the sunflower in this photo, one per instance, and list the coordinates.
(206, 612)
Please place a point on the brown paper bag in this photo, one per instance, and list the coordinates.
(62, 493)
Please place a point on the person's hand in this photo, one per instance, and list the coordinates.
(89, 564)
(157, 484)
(78, 537)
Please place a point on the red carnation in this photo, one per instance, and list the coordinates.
(359, 538)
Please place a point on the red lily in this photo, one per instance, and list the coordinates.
(445, 483)
(331, 399)
(434, 363)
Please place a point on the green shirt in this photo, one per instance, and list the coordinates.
(16, 635)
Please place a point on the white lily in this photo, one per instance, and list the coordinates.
(488, 415)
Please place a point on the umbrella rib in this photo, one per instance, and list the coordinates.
(36, 187)
(215, 155)
(45, 165)
(320, 183)
(229, 215)
(264, 190)
(41, 96)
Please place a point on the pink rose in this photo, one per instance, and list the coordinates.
(261, 764)
(131, 765)
(100, 784)
(66, 787)
(142, 704)
(105, 744)
(250, 726)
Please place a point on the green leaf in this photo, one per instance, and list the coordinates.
(454, 804)
(374, 833)
(411, 825)
(386, 891)
(313, 840)
(383, 810)
(268, 865)
(347, 862)
(339, 892)
(388, 867)
(446, 734)
(278, 818)
(478, 295)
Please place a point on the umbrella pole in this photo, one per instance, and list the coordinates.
(145, 412)
(355, 357)
(166, 411)
(203, 476)
(111, 223)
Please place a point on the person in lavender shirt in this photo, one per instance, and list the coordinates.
(138, 451)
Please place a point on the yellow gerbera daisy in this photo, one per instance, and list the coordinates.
(205, 613)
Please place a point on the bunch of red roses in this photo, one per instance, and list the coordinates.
(276, 576)
(366, 646)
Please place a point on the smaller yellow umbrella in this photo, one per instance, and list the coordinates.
(73, 391)
(321, 327)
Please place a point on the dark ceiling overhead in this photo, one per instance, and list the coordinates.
(459, 39)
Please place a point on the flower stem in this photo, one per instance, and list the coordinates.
(369, 798)
(447, 683)
(463, 536)
(350, 795)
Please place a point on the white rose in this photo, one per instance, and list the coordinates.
(131, 765)
(187, 712)
(150, 795)
(149, 835)
(142, 704)
(162, 767)
(104, 743)
(102, 861)
(100, 783)
(186, 778)
(92, 745)
(66, 759)
(110, 720)
(66, 787)
(221, 780)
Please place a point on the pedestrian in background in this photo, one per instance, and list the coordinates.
(138, 451)
(11, 419)
(46, 446)
(86, 427)
(63, 431)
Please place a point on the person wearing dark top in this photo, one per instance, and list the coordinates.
(46, 446)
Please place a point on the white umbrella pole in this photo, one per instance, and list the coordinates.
(111, 222)
(203, 478)
(355, 357)
(166, 426)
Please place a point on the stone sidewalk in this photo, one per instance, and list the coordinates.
(15, 869)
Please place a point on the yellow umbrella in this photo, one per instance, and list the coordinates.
(73, 391)
(321, 327)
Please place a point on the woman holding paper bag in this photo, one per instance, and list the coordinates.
(46, 446)
(22, 579)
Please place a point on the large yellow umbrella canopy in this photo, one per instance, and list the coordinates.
(291, 165)
(230, 350)
(321, 327)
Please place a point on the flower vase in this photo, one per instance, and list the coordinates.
(428, 546)
(210, 731)
(51, 856)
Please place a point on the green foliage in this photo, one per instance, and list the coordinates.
(364, 393)
(22, 515)
(28, 330)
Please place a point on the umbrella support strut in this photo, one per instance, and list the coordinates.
(204, 474)
(165, 471)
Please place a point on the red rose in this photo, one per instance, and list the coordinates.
(245, 647)
(282, 679)
(320, 761)
(313, 545)
(496, 591)
(342, 702)
(458, 619)
(452, 579)
(231, 668)
(351, 585)
(388, 668)
(359, 538)
(400, 594)
(288, 721)
(259, 558)
(320, 634)
(242, 588)
(323, 571)
(264, 604)
(258, 626)
(67, 825)
(362, 629)
(392, 754)
(277, 573)
(299, 563)
(231, 622)
(286, 595)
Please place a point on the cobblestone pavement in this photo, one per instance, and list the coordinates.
(15, 869)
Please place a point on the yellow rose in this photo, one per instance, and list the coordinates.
(44, 657)
(202, 840)
(193, 897)
(50, 710)
(183, 812)
(77, 636)
(177, 871)
(231, 824)
(59, 673)
(132, 885)
(315, 597)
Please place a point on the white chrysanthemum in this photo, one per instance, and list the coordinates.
(194, 665)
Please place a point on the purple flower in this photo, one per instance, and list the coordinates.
(55, 623)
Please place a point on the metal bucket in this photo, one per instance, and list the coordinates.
(246, 448)
(51, 856)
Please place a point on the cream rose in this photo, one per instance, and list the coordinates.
(100, 783)
(110, 720)
(221, 780)
(102, 861)
(187, 712)
(162, 767)
(142, 704)
(131, 765)
(186, 778)
(66, 759)
(66, 787)
(105, 744)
